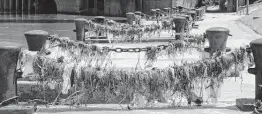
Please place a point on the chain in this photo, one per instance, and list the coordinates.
(136, 50)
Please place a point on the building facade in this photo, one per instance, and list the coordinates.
(90, 7)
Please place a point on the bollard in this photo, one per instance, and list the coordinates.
(139, 13)
(180, 9)
(100, 20)
(36, 39)
(80, 29)
(130, 18)
(174, 10)
(8, 59)
(256, 46)
(193, 15)
(203, 10)
(199, 13)
(139, 16)
(217, 37)
(158, 12)
(179, 26)
(167, 10)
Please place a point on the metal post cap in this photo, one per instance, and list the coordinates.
(37, 32)
(166, 8)
(157, 9)
(174, 7)
(198, 9)
(138, 12)
(130, 13)
(183, 15)
(80, 19)
(192, 12)
(180, 18)
(217, 29)
(153, 10)
(99, 17)
(257, 42)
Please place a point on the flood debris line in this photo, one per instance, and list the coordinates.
(121, 29)
(82, 82)
(126, 32)
(80, 50)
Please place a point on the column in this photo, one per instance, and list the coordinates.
(29, 6)
(247, 12)
(11, 6)
(16, 5)
(1, 5)
(23, 5)
(5, 5)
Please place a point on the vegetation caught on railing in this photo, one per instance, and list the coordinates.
(118, 29)
(110, 84)
(114, 85)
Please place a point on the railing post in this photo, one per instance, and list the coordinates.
(199, 13)
(80, 29)
(237, 4)
(154, 13)
(8, 60)
(193, 15)
(217, 37)
(100, 20)
(256, 46)
(247, 7)
(168, 11)
(36, 39)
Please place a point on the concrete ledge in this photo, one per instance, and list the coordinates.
(17, 110)
(245, 104)
(123, 107)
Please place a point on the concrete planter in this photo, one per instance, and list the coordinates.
(36, 39)
(8, 59)
(217, 37)
(180, 24)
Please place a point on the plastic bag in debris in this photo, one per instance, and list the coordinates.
(66, 78)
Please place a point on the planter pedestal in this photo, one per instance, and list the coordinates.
(8, 61)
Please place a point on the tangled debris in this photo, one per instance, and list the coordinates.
(109, 84)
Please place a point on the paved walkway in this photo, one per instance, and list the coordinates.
(232, 88)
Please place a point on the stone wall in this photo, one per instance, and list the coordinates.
(241, 2)
(153, 4)
(68, 6)
(119, 7)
